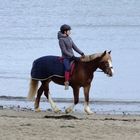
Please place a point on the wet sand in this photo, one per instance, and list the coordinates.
(29, 125)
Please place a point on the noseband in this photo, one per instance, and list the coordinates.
(106, 68)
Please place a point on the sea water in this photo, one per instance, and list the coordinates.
(28, 30)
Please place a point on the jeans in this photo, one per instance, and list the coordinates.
(67, 64)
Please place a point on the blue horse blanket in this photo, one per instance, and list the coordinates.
(47, 66)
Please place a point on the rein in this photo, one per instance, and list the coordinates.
(102, 71)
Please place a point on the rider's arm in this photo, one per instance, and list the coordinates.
(77, 49)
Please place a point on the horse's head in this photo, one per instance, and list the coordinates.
(105, 63)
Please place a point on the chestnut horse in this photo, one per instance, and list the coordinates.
(82, 77)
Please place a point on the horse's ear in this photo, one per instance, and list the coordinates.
(109, 52)
(103, 54)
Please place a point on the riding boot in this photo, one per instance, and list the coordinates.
(67, 77)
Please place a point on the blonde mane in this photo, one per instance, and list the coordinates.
(91, 57)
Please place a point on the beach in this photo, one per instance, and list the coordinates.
(28, 30)
(29, 125)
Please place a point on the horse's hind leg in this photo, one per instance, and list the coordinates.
(37, 101)
(48, 96)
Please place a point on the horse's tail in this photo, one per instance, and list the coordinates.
(32, 89)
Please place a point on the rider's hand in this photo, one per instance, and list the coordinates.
(75, 58)
(83, 55)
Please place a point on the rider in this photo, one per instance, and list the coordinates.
(67, 45)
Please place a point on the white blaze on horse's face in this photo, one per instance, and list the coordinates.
(111, 66)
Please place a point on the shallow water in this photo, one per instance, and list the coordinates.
(97, 106)
(28, 30)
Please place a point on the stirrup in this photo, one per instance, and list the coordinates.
(66, 85)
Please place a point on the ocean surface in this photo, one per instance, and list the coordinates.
(28, 30)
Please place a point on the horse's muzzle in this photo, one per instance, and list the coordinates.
(109, 71)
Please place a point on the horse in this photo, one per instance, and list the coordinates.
(82, 76)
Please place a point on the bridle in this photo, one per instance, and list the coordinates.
(106, 68)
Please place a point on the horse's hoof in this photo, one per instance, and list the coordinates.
(57, 110)
(37, 110)
(88, 111)
(68, 110)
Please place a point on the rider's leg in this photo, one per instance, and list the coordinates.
(67, 73)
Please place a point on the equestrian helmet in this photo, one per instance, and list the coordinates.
(65, 27)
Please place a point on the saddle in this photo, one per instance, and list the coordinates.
(48, 66)
(72, 64)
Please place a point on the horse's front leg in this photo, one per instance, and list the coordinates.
(76, 100)
(86, 104)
